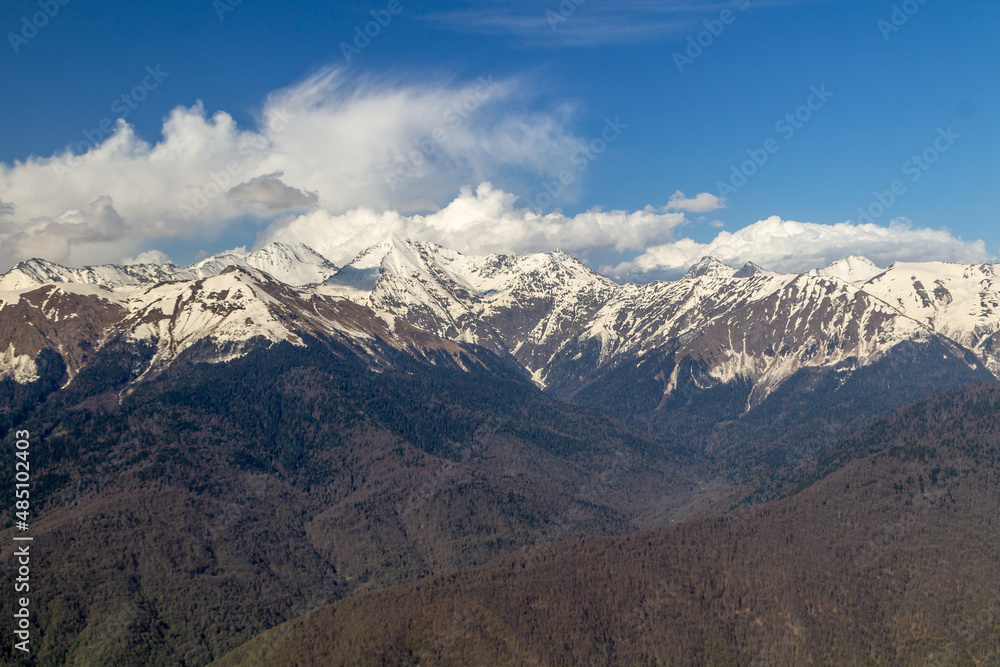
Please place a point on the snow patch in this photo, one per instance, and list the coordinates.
(21, 368)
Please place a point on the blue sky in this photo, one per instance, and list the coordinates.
(565, 75)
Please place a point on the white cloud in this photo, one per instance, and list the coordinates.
(483, 221)
(269, 192)
(592, 23)
(97, 225)
(328, 142)
(340, 164)
(148, 257)
(786, 245)
(703, 203)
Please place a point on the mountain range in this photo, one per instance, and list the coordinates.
(548, 313)
(229, 445)
(722, 358)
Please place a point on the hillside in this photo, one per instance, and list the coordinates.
(891, 559)
(752, 369)
(226, 446)
(182, 515)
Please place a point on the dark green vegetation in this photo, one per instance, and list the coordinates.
(179, 517)
(890, 559)
(772, 447)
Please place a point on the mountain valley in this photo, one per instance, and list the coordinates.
(227, 446)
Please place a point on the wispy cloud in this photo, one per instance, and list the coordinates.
(581, 23)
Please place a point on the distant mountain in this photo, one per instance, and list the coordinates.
(295, 265)
(562, 321)
(890, 559)
(757, 367)
(232, 311)
(657, 354)
(522, 306)
(185, 513)
(227, 445)
(851, 269)
(956, 300)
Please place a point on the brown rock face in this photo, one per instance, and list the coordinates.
(48, 318)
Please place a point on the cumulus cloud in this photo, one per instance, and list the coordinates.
(148, 257)
(98, 226)
(330, 141)
(341, 163)
(703, 203)
(272, 194)
(485, 221)
(786, 245)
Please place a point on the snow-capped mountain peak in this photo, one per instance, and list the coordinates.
(549, 313)
(751, 269)
(852, 269)
(292, 264)
(36, 272)
(710, 266)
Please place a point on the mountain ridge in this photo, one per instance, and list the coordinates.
(420, 410)
(558, 319)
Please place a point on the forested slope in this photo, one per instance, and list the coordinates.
(891, 559)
